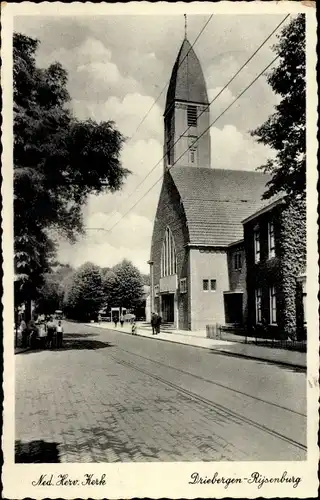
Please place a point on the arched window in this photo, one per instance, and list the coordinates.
(168, 255)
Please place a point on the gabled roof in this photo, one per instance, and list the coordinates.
(266, 206)
(187, 81)
(216, 201)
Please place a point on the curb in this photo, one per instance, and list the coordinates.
(234, 354)
(23, 350)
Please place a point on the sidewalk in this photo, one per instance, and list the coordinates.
(198, 339)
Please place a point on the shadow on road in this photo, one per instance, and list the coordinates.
(74, 342)
(79, 335)
(36, 452)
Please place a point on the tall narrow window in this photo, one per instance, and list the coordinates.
(192, 146)
(271, 242)
(205, 285)
(237, 261)
(213, 285)
(258, 305)
(273, 305)
(192, 155)
(168, 255)
(183, 285)
(192, 116)
(256, 239)
(170, 138)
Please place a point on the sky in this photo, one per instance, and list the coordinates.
(117, 66)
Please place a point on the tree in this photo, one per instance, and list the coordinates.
(128, 286)
(50, 294)
(146, 279)
(84, 295)
(58, 162)
(110, 282)
(285, 130)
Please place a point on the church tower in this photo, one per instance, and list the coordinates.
(186, 116)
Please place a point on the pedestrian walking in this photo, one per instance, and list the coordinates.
(59, 334)
(134, 327)
(121, 320)
(51, 332)
(115, 321)
(154, 323)
(158, 325)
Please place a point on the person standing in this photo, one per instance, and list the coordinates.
(51, 332)
(158, 323)
(121, 320)
(59, 334)
(115, 321)
(154, 323)
(24, 333)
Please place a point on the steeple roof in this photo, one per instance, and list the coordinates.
(187, 81)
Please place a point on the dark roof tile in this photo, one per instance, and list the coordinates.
(216, 201)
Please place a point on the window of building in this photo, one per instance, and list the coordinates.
(156, 290)
(256, 239)
(237, 260)
(213, 285)
(168, 255)
(209, 285)
(170, 138)
(192, 155)
(205, 285)
(192, 146)
(192, 116)
(271, 241)
(258, 305)
(183, 285)
(273, 305)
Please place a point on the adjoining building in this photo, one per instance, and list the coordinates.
(198, 265)
(275, 249)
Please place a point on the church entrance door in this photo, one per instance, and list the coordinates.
(168, 308)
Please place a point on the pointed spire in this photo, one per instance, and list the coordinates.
(185, 26)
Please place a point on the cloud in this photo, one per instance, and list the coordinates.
(127, 113)
(106, 249)
(232, 149)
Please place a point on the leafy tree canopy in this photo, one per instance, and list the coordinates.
(58, 162)
(128, 286)
(285, 130)
(84, 293)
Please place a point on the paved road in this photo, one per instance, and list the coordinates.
(111, 397)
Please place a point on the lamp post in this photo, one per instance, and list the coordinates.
(150, 262)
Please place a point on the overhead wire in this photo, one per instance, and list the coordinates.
(162, 91)
(196, 140)
(205, 108)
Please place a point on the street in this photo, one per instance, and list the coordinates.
(108, 396)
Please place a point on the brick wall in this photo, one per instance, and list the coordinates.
(280, 271)
(170, 213)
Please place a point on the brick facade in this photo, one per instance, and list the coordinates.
(170, 213)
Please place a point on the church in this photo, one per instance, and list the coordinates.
(198, 260)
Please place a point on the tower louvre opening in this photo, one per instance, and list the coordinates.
(192, 116)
